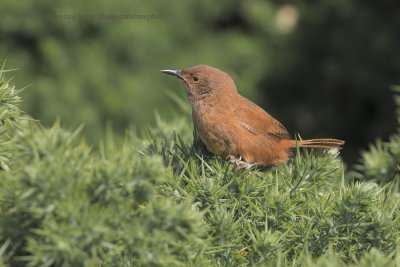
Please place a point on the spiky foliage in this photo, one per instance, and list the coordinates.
(162, 200)
(381, 162)
(9, 114)
(283, 214)
(63, 204)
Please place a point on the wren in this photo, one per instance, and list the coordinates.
(232, 126)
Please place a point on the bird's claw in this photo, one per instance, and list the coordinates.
(240, 163)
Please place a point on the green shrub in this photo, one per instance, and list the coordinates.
(161, 200)
(381, 163)
(9, 112)
(63, 204)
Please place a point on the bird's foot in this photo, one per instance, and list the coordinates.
(240, 163)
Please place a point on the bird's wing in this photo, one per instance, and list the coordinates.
(278, 130)
(255, 120)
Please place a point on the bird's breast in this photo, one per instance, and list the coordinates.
(214, 129)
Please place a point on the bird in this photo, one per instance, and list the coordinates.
(234, 127)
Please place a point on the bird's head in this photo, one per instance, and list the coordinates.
(203, 81)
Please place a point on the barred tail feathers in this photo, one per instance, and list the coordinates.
(321, 143)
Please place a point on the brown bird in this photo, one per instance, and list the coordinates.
(234, 127)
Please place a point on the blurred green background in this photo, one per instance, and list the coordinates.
(323, 68)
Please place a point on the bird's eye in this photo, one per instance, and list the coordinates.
(195, 79)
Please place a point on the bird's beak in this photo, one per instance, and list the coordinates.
(176, 73)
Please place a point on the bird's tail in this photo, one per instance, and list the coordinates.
(321, 143)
